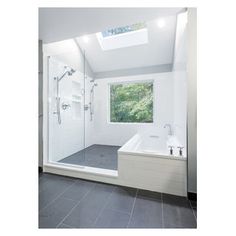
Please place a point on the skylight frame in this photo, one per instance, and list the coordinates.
(124, 40)
(134, 27)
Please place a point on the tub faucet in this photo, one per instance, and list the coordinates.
(171, 149)
(170, 129)
(180, 150)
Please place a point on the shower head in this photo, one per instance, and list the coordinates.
(69, 72)
(93, 81)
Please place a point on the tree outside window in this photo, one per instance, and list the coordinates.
(131, 102)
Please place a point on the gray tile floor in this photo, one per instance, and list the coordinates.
(100, 156)
(66, 202)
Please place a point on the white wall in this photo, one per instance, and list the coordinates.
(117, 134)
(68, 52)
(68, 137)
(179, 75)
(40, 104)
(185, 86)
(192, 99)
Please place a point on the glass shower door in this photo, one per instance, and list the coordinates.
(66, 90)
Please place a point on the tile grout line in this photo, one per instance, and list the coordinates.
(131, 213)
(119, 211)
(59, 195)
(63, 224)
(101, 211)
(162, 211)
(193, 211)
(75, 207)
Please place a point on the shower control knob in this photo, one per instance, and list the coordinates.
(65, 106)
(180, 150)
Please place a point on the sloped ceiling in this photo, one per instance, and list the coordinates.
(158, 50)
(56, 24)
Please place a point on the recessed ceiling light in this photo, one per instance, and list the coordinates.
(161, 23)
(85, 38)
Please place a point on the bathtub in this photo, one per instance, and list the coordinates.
(145, 162)
(153, 145)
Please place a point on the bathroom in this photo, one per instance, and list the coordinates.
(115, 110)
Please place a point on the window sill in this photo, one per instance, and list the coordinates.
(129, 123)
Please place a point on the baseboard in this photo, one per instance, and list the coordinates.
(40, 169)
(192, 196)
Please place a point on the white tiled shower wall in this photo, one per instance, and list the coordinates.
(68, 137)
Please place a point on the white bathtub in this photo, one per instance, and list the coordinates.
(153, 145)
(145, 162)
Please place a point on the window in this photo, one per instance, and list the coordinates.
(131, 102)
(124, 29)
(122, 37)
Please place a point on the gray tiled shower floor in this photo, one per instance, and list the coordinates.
(66, 202)
(100, 156)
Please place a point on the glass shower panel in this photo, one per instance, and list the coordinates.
(66, 108)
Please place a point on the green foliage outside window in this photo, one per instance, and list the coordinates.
(131, 102)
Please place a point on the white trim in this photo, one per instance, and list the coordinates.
(84, 169)
(154, 155)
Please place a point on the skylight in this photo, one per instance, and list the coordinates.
(124, 29)
(121, 37)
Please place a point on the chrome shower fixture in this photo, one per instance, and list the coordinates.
(68, 71)
(91, 103)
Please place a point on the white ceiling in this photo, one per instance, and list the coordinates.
(158, 50)
(57, 24)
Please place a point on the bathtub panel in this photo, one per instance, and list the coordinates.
(179, 167)
(156, 174)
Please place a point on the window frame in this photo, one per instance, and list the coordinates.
(131, 82)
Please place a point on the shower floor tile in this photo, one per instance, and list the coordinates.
(99, 156)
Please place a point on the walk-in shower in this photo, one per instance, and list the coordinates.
(68, 71)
